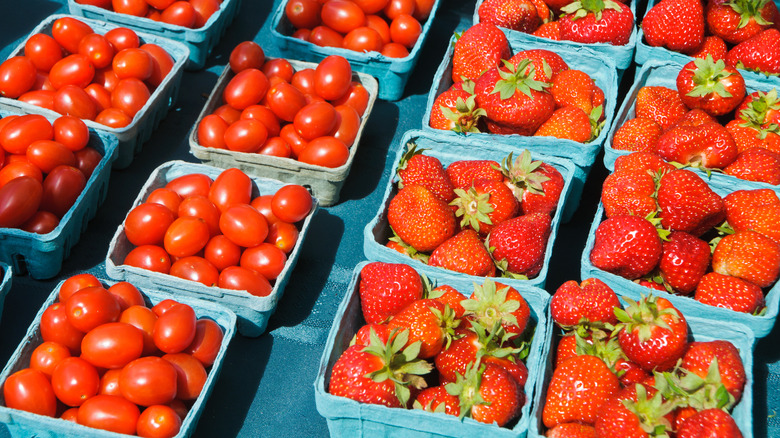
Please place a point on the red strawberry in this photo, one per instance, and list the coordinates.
(425, 170)
(687, 203)
(757, 210)
(684, 261)
(710, 85)
(437, 399)
(748, 255)
(567, 347)
(363, 335)
(592, 301)
(550, 30)
(709, 145)
(677, 25)
(493, 303)
(629, 192)
(659, 104)
(456, 109)
(450, 296)
(761, 110)
(694, 117)
(709, 422)
(643, 162)
(464, 252)
(628, 246)
(748, 136)
(519, 244)
(479, 48)
(632, 412)
(519, 15)
(757, 164)
(386, 288)
(569, 123)
(488, 394)
(638, 134)
(535, 183)
(713, 46)
(737, 20)
(546, 63)
(700, 358)
(420, 219)
(463, 173)
(760, 53)
(651, 284)
(730, 293)
(429, 322)
(486, 203)
(515, 367)
(572, 430)
(597, 21)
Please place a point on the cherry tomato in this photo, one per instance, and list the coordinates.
(70, 414)
(97, 49)
(106, 78)
(207, 342)
(147, 223)
(277, 147)
(91, 307)
(285, 101)
(72, 100)
(40, 98)
(17, 76)
(342, 15)
(150, 257)
(133, 63)
(20, 198)
(180, 13)
(303, 80)
(166, 197)
(109, 412)
(190, 185)
(186, 236)
(73, 69)
(371, 6)
(325, 151)
(56, 327)
(61, 189)
(75, 380)
(243, 225)
(69, 31)
(126, 295)
(348, 125)
(221, 252)
(241, 278)
(175, 329)
(303, 14)
(42, 82)
(162, 64)
(231, 187)
(363, 39)
(42, 222)
(333, 76)
(395, 8)
(29, 390)
(23, 130)
(109, 382)
(405, 30)
(43, 50)
(202, 208)
(422, 9)
(142, 318)
(246, 88)
(315, 120)
(47, 356)
(228, 113)
(264, 115)
(195, 268)
(75, 283)
(324, 36)
(283, 235)
(122, 38)
(112, 345)
(7, 119)
(291, 203)
(290, 135)
(113, 118)
(160, 4)
(148, 381)
(130, 96)
(246, 55)
(191, 375)
(71, 132)
(279, 68)
(48, 154)
(265, 259)
(159, 421)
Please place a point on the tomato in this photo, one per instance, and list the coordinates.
(150, 257)
(166, 197)
(126, 295)
(246, 135)
(422, 9)
(202, 208)
(22, 168)
(242, 278)
(69, 31)
(324, 36)
(71, 132)
(191, 375)
(195, 268)
(72, 100)
(7, 119)
(133, 63)
(162, 64)
(285, 101)
(29, 390)
(333, 76)
(113, 118)
(279, 68)
(265, 259)
(42, 82)
(290, 135)
(204, 9)
(303, 80)
(48, 154)
(41, 98)
(70, 414)
(112, 345)
(282, 235)
(246, 88)
(148, 381)
(47, 356)
(363, 39)
(137, 8)
(262, 204)
(303, 14)
(109, 412)
(75, 380)
(73, 69)
(122, 38)
(348, 125)
(186, 236)
(159, 421)
(142, 318)
(342, 15)
(163, 306)
(17, 76)
(175, 329)
(232, 186)
(61, 189)
(207, 342)
(75, 283)
(246, 55)
(371, 6)
(179, 13)
(315, 120)
(395, 8)
(179, 407)
(147, 223)
(42, 222)
(56, 327)
(106, 78)
(23, 130)
(20, 198)
(228, 113)
(221, 252)
(190, 185)
(302, 34)
(97, 49)
(405, 30)
(109, 382)
(325, 151)
(43, 51)
(130, 96)
(380, 26)
(291, 203)
(264, 115)
(277, 147)
(243, 225)
(91, 307)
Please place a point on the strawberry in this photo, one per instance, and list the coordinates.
(386, 288)
(590, 302)
(479, 48)
(651, 284)
(713, 46)
(488, 394)
(709, 422)
(486, 203)
(516, 368)
(737, 20)
(757, 210)
(643, 162)
(711, 85)
(701, 356)
(425, 170)
(428, 321)
(638, 134)
(363, 335)
(456, 109)
(748, 255)
(660, 104)
(687, 203)
(684, 261)
(464, 252)
(463, 173)
(633, 412)
(597, 21)
(694, 117)
(653, 333)
(628, 246)
(550, 30)
(575, 87)
(437, 399)
(570, 123)
(760, 110)
(577, 390)
(629, 192)
(730, 293)
(629, 372)
(757, 164)
(760, 53)
(519, 15)
(571, 430)
(709, 145)
(450, 296)
(493, 303)
(677, 25)
(546, 63)
(535, 183)
(567, 347)
(420, 219)
(748, 136)
(519, 244)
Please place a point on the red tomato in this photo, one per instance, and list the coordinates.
(283, 235)
(380, 26)
(208, 339)
(246, 88)
(162, 64)
(348, 125)
(91, 307)
(371, 6)
(204, 9)
(195, 268)
(23, 130)
(133, 63)
(363, 39)
(395, 8)
(228, 113)
(315, 120)
(265, 259)
(405, 30)
(166, 197)
(61, 189)
(75, 283)
(5, 120)
(180, 13)
(75, 380)
(73, 69)
(42, 82)
(333, 76)
(149, 257)
(106, 78)
(71, 132)
(186, 236)
(16, 169)
(422, 9)
(41, 98)
(109, 382)
(87, 160)
(159, 421)
(231, 187)
(43, 51)
(191, 375)
(17, 76)
(122, 38)
(264, 115)
(130, 96)
(279, 68)
(113, 118)
(70, 414)
(342, 15)
(42, 222)
(276, 147)
(303, 14)
(56, 327)
(20, 198)
(243, 225)
(325, 151)
(142, 318)
(160, 4)
(137, 8)
(163, 306)
(126, 295)
(303, 80)
(241, 278)
(29, 390)
(291, 203)
(112, 345)
(190, 185)
(324, 36)
(72, 100)
(147, 223)
(69, 31)
(222, 252)
(175, 329)
(202, 208)
(285, 101)
(148, 381)
(47, 356)
(97, 49)
(245, 55)
(48, 154)
(290, 135)
(109, 412)
(262, 204)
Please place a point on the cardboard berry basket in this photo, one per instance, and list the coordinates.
(347, 417)
(41, 255)
(21, 424)
(699, 329)
(448, 150)
(134, 135)
(392, 73)
(599, 67)
(621, 56)
(199, 41)
(6, 279)
(325, 183)
(252, 311)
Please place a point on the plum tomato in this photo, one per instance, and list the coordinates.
(69, 31)
(48, 154)
(279, 68)
(162, 64)
(75, 283)
(371, 6)
(73, 69)
(13, 170)
(72, 100)
(342, 15)
(246, 88)
(42, 222)
(348, 125)
(97, 49)
(163, 306)
(291, 203)
(109, 412)
(195, 268)
(112, 345)
(211, 132)
(245, 135)
(137, 8)
(285, 101)
(61, 188)
(264, 115)
(40, 98)
(175, 329)
(17, 76)
(43, 50)
(29, 390)
(113, 118)
(126, 295)
(20, 198)
(207, 342)
(380, 26)
(130, 95)
(106, 78)
(232, 186)
(47, 356)
(150, 257)
(303, 14)
(180, 13)
(186, 236)
(191, 375)
(222, 252)
(283, 235)
(303, 80)
(265, 259)
(190, 184)
(332, 78)
(395, 8)
(133, 63)
(71, 132)
(142, 318)
(147, 223)
(276, 147)
(109, 382)
(324, 36)
(70, 414)
(262, 204)
(228, 113)
(290, 135)
(201, 207)
(302, 34)
(422, 9)
(315, 120)
(18, 133)
(241, 278)
(363, 39)
(405, 30)
(122, 38)
(56, 327)
(159, 421)
(90, 307)
(166, 197)
(243, 225)
(325, 151)
(204, 9)
(160, 4)
(75, 380)
(100, 96)
(245, 55)
(148, 380)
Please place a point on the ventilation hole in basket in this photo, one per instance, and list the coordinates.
(19, 264)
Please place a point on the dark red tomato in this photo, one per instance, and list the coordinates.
(47, 356)
(72, 100)
(262, 204)
(191, 375)
(133, 63)
(130, 96)
(75, 380)
(159, 421)
(56, 327)
(20, 198)
(180, 13)
(23, 130)
(342, 15)
(147, 223)
(363, 39)
(137, 8)
(283, 235)
(380, 26)
(113, 118)
(303, 14)
(149, 257)
(243, 225)
(70, 414)
(61, 189)
(208, 339)
(73, 69)
(231, 187)
(290, 135)
(142, 318)
(405, 30)
(175, 329)
(43, 51)
(285, 101)
(265, 259)
(98, 49)
(105, 4)
(222, 252)
(332, 78)
(100, 96)
(109, 383)
(204, 9)
(324, 36)
(29, 390)
(276, 147)
(326, 152)
(126, 295)
(163, 306)
(42, 82)
(395, 8)
(241, 278)
(112, 345)
(422, 9)
(87, 160)
(245, 55)
(162, 64)
(17, 76)
(69, 31)
(91, 307)
(264, 115)
(190, 185)
(348, 125)
(166, 197)
(279, 68)
(41, 98)
(42, 222)
(122, 38)
(48, 154)
(291, 203)
(315, 120)
(302, 34)
(202, 208)
(71, 132)
(228, 113)
(148, 381)
(303, 80)
(109, 412)
(160, 4)
(75, 283)
(186, 236)
(246, 88)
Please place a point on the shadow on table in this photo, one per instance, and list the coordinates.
(766, 374)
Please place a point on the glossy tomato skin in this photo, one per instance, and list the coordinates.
(41, 98)
(91, 307)
(422, 9)
(232, 186)
(263, 204)
(247, 54)
(303, 14)
(150, 257)
(74, 381)
(29, 390)
(265, 259)
(245, 135)
(113, 118)
(163, 306)
(137, 8)
(222, 252)
(201, 207)
(325, 151)
(159, 421)
(130, 95)
(395, 8)
(142, 318)
(191, 184)
(55, 327)
(241, 278)
(324, 36)
(211, 132)
(109, 412)
(264, 115)
(61, 188)
(342, 15)
(48, 154)
(246, 88)
(162, 64)
(133, 63)
(75, 283)
(112, 345)
(166, 197)
(18, 133)
(17, 76)
(348, 125)
(175, 329)
(186, 236)
(19, 200)
(283, 235)
(277, 147)
(71, 132)
(285, 101)
(69, 31)
(333, 76)
(208, 339)
(180, 13)
(72, 100)
(290, 135)
(279, 68)
(405, 30)
(204, 9)
(47, 356)
(147, 223)
(122, 38)
(315, 120)
(191, 375)
(42, 222)
(22, 168)
(126, 295)
(195, 268)
(243, 225)
(228, 113)
(97, 49)
(363, 39)
(291, 203)
(43, 50)
(109, 382)
(148, 381)
(73, 69)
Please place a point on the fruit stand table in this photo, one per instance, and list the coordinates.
(266, 384)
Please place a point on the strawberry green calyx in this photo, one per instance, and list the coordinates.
(522, 173)
(644, 315)
(473, 208)
(582, 8)
(411, 151)
(651, 412)
(409, 250)
(686, 389)
(520, 78)
(466, 388)
(708, 76)
(448, 323)
(596, 123)
(493, 342)
(756, 113)
(653, 218)
(748, 9)
(465, 116)
(491, 305)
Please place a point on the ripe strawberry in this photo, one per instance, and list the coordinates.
(437, 399)
(684, 261)
(747, 136)
(363, 335)
(488, 394)
(567, 347)
(519, 15)
(463, 173)
(575, 87)
(760, 110)
(486, 203)
(687, 203)
(659, 104)
(450, 296)
(759, 53)
(748, 255)
(677, 25)
(572, 430)
(590, 302)
(515, 367)
(713, 46)
(629, 192)
(578, 389)
(493, 303)
(629, 372)
(709, 422)
(628, 246)
(546, 63)
(694, 117)
(420, 219)
(519, 244)
(464, 252)
(736, 21)
(757, 164)
(632, 412)
(429, 322)
(479, 48)
(386, 288)
(730, 293)
(757, 210)
(456, 109)
(638, 134)
(535, 183)
(651, 284)
(709, 145)
(597, 21)
(569, 123)
(653, 333)
(643, 162)
(701, 355)
(711, 85)
(416, 168)
(550, 30)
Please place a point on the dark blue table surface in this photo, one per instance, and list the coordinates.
(266, 384)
